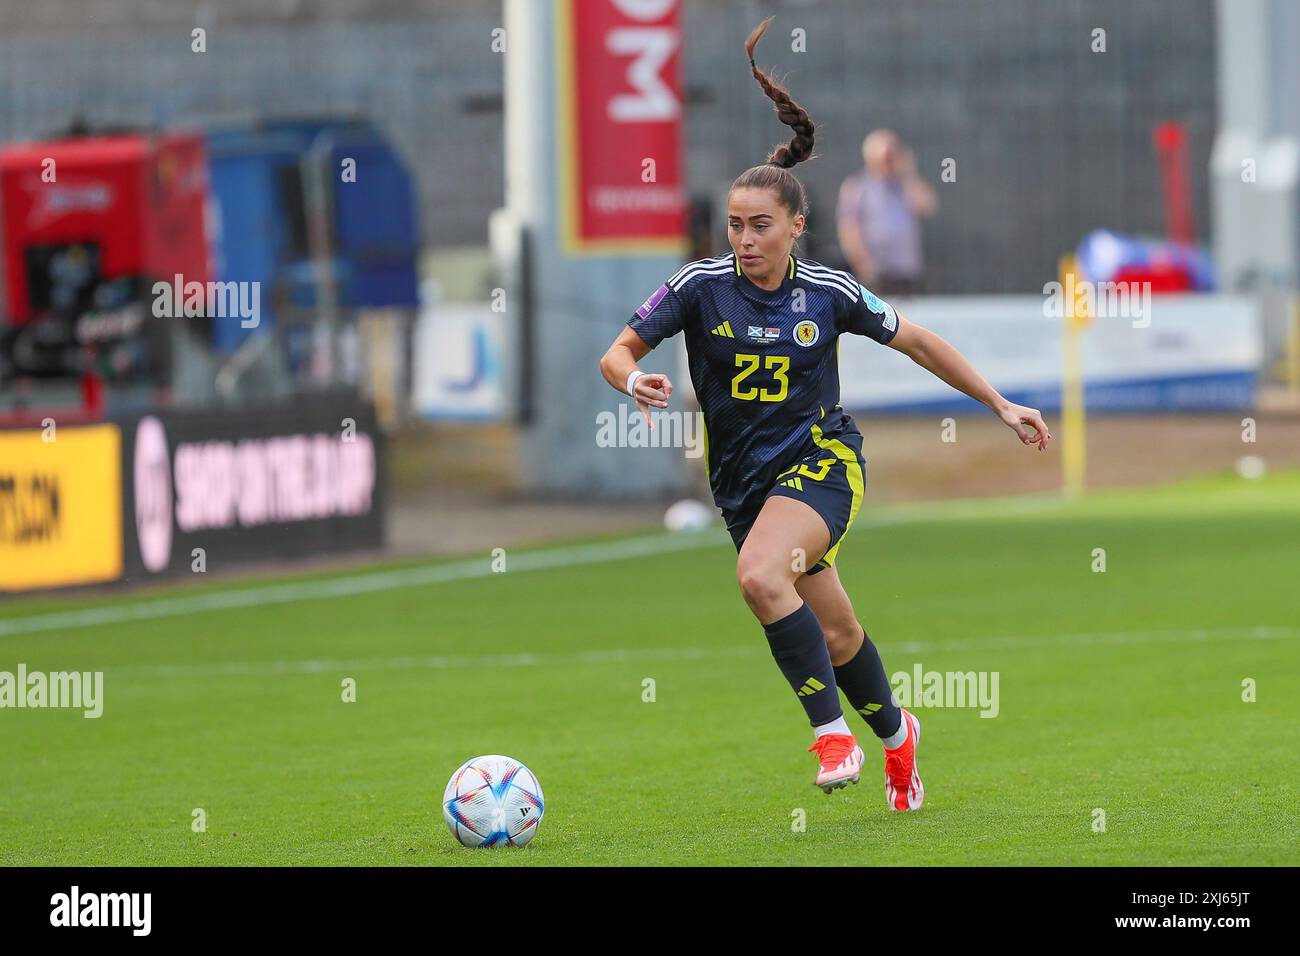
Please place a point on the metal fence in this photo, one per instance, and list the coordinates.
(432, 84)
(1050, 139)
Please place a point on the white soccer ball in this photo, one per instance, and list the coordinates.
(1251, 467)
(493, 801)
(688, 515)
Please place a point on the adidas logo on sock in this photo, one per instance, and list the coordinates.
(811, 686)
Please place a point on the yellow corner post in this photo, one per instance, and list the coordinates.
(1073, 412)
(1293, 349)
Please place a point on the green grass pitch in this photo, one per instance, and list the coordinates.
(1119, 690)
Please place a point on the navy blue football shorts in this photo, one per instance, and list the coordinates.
(831, 480)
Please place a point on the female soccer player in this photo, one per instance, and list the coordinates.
(784, 460)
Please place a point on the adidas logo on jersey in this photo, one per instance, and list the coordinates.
(724, 330)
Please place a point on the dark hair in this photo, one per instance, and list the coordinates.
(775, 173)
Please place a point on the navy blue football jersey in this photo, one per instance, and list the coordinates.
(764, 363)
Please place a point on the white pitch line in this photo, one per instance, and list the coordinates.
(536, 560)
(1155, 636)
(367, 583)
(468, 569)
(435, 662)
(621, 655)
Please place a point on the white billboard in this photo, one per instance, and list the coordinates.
(1183, 352)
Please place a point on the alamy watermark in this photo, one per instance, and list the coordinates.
(1098, 300)
(922, 688)
(215, 300)
(76, 690)
(130, 910)
(666, 429)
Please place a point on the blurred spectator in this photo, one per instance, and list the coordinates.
(880, 207)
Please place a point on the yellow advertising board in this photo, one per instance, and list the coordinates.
(60, 506)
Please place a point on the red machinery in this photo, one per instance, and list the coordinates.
(87, 226)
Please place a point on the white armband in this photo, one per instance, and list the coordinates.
(631, 381)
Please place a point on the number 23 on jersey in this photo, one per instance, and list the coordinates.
(774, 390)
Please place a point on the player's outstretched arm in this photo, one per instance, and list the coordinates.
(936, 356)
(618, 364)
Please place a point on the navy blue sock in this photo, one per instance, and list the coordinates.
(864, 683)
(800, 650)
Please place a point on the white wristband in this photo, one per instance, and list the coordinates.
(631, 381)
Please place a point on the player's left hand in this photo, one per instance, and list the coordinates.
(1021, 419)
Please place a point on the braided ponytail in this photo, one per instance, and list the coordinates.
(791, 113)
(775, 173)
